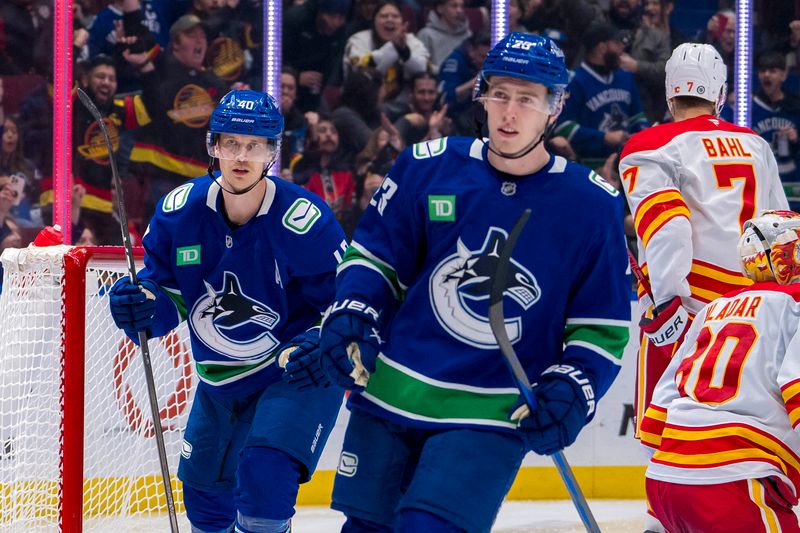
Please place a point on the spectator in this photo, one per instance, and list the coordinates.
(516, 11)
(457, 77)
(179, 95)
(13, 160)
(424, 117)
(19, 28)
(365, 189)
(317, 36)
(656, 13)
(360, 114)
(322, 172)
(776, 117)
(232, 39)
(361, 19)
(721, 33)
(9, 234)
(383, 147)
(90, 157)
(389, 48)
(446, 29)
(603, 108)
(295, 123)
(625, 14)
(648, 48)
(793, 57)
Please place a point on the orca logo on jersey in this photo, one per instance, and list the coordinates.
(233, 324)
(459, 291)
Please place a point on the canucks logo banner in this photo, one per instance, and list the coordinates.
(232, 323)
(460, 286)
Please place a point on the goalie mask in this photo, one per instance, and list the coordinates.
(769, 248)
(251, 113)
(530, 58)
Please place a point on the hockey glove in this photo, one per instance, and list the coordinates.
(133, 306)
(300, 359)
(349, 343)
(666, 330)
(565, 402)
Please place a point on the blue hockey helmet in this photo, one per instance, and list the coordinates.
(246, 112)
(527, 57)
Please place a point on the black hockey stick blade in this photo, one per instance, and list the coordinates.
(498, 326)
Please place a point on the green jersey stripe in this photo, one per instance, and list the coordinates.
(221, 374)
(607, 339)
(417, 399)
(353, 256)
(177, 299)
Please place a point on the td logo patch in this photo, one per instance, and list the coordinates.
(301, 216)
(348, 464)
(188, 255)
(442, 208)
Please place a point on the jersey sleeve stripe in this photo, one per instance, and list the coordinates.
(656, 210)
(708, 282)
(177, 299)
(607, 340)
(362, 250)
(567, 129)
(652, 426)
(791, 397)
(359, 256)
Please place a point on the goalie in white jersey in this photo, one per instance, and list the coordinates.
(724, 416)
(691, 185)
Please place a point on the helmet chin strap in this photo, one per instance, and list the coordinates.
(243, 191)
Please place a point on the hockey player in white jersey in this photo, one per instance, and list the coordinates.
(691, 185)
(724, 416)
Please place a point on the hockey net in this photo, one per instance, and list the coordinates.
(77, 451)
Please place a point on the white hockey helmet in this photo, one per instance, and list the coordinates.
(697, 70)
(769, 248)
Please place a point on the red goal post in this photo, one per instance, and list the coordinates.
(76, 441)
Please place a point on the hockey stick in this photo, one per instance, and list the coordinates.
(498, 325)
(148, 368)
(641, 278)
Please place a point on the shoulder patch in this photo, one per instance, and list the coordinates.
(431, 148)
(301, 216)
(598, 180)
(176, 198)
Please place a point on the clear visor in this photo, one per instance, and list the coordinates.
(242, 147)
(502, 95)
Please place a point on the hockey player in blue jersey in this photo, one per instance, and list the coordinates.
(431, 444)
(248, 260)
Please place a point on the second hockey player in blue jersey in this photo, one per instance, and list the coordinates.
(248, 261)
(431, 444)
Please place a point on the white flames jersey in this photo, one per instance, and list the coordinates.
(728, 406)
(691, 185)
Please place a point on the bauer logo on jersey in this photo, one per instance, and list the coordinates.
(301, 216)
(233, 324)
(460, 286)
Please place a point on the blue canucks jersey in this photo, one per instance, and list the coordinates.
(425, 252)
(246, 291)
(596, 105)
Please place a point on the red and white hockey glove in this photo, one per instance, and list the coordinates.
(668, 327)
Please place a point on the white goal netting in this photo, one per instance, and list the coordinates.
(44, 356)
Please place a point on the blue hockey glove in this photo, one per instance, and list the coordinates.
(300, 359)
(133, 306)
(565, 402)
(349, 343)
